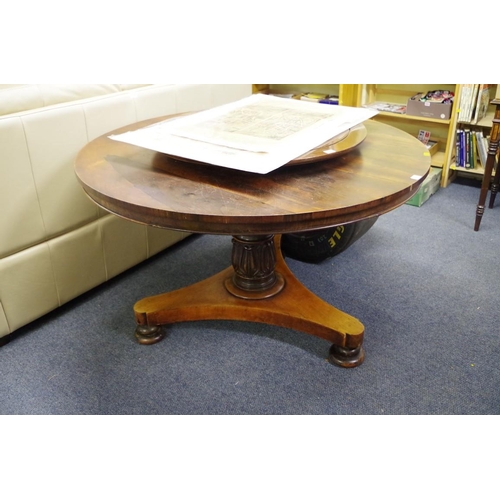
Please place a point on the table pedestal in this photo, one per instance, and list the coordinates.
(258, 287)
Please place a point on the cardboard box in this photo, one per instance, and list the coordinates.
(428, 109)
(433, 147)
(427, 188)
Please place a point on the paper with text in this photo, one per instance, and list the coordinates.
(257, 134)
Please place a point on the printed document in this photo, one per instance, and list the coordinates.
(256, 134)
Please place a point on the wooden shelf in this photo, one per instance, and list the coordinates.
(399, 116)
(437, 159)
(487, 121)
(476, 171)
(347, 93)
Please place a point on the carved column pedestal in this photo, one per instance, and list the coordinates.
(254, 264)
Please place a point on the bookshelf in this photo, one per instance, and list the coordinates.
(483, 126)
(347, 93)
(443, 131)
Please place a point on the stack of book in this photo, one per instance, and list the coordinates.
(387, 107)
(471, 149)
(312, 96)
(322, 98)
(474, 102)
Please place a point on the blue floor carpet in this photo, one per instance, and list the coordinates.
(422, 282)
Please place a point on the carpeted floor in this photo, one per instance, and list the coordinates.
(423, 283)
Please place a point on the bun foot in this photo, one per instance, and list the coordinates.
(148, 335)
(346, 357)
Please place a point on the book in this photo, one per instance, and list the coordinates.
(482, 148)
(460, 157)
(462, 105)
(387, 107)
(321, 98)
(482, 102)
(469, 91)
(467, 148)
(284, 96)
(424, 136)
(458, 142)
(474, 102)
(473, 147)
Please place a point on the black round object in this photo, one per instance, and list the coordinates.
(318, 245)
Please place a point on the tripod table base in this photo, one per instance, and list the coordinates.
(290, 304)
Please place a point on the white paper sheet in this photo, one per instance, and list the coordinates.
(257, 134)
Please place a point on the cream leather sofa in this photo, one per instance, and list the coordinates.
(55, 243)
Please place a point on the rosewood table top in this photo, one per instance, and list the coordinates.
(380, 174)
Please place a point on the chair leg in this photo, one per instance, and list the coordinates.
(490, 162)
(494, 187)
(485, 186)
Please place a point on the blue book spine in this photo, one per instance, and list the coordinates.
(462, 148)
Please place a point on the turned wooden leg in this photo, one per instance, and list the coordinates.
(492, 152)
(490, 162)
(494, 185)
(485, 186)
(479, 216)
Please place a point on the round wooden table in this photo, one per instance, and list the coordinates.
(377, 176)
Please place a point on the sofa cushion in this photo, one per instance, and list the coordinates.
(22, 97)
(40, 146)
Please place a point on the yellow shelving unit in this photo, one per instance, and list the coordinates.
(442, 131)
(485, 124)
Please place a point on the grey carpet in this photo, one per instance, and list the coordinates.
(423, 283)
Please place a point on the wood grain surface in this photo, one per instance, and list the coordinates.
(383, 172)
